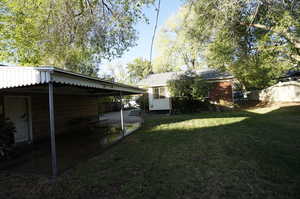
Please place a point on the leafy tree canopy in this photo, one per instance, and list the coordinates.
(174, 45)
(256, 40)
(74, 34)
(138, 69)
(118, 72)
(163, 63)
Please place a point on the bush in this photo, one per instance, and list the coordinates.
(183, 105)
(7, 141)
(143, 102)
(189, 93)
(108, 104)
(189, 86)
(186, 105)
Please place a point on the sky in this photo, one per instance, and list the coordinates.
(145, 32)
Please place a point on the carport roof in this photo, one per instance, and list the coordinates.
(18, 76)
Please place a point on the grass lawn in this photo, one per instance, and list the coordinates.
(243, 154)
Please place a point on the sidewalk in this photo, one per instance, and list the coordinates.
(130, 116)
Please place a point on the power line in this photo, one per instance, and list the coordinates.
(154, 31)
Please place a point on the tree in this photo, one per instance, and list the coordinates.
(174, 45)
(188, 92)
(163, 63)
(74, 34)
(256, 40)
(138, 69)
(119, 73)
(189, 85)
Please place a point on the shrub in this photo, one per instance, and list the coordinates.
(7, 141)
(143, 102)
(108, 104)
(189, 92)
(189, 86)
(186, 105)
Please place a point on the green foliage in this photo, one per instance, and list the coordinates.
(188, 85)
(162, 64)
(188, 92)
(235, 155)
(73, 34)
(119, 73)
(81, 62)
(174, 45)
(254, 40)
(143, 102)
(7, 130)
(107, 99)
(186, 105)
(138, 69)
(107, 104)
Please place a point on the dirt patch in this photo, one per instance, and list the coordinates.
(276, 104)
(257, 104)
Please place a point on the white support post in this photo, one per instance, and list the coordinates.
(122, 116)
(52, 131)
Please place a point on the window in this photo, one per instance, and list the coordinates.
(162, 92)
(156, 93)
(159, 92)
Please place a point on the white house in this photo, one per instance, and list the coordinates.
(159, 95)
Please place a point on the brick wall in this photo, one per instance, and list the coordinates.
(221, 91)
(66, 108)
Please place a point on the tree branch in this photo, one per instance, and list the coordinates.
(287, 36)
(90, 6)
(256, 12)
(106, 6)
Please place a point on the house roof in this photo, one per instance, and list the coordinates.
(161, 79)
(17, 76)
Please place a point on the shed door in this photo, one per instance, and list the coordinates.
(16, 109)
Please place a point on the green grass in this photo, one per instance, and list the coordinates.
(245, 154)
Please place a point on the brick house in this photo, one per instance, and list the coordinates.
(159, 96)
(222, 90)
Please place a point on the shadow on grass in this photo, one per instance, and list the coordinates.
(212, 155)
(257, 156)
(71, 149)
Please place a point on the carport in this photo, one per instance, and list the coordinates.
(44, 99)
